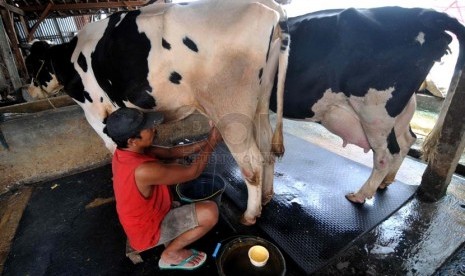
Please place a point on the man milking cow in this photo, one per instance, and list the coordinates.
(209, 56)
(141, 183)
(355, 71)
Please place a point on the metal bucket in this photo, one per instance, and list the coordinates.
(233, 258)
(206, 187)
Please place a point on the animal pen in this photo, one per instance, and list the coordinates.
(58, 213)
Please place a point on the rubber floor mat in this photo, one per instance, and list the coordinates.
(70, 227)
(309, 217)
(62, 231)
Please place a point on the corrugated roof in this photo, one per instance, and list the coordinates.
(35, 9)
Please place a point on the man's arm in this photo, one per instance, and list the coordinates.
(176, 151)
(155, 173)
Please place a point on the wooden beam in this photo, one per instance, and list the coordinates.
(39, 105)
(11, 8)
(25, 25)
(3, 81)
(451, 144)
(44, 15)
(86, 6)
(14, 43)
(8, 58)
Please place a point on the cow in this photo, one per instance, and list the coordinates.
(356, 71)
(217, 57)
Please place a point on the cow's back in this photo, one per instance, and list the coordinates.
(167, 56)
(351, 51)
(207, 48)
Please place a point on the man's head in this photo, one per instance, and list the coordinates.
(126, 123)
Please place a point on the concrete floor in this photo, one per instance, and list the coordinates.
(418, 239)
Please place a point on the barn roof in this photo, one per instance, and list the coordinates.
(36, 9)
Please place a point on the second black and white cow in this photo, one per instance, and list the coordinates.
(217, 57)
(356, 71)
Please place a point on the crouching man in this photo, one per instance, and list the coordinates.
(143, 199)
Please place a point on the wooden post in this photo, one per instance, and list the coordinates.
(10, 30)
(44, 15)
(440, 169)
(3, 81)
(9, 59)
(25, 26)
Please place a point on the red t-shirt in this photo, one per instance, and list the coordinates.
(140, 217)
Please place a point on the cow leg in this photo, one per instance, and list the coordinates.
(263, 134)
(381, 160)
(237, 131)
(268, 175)
(251, 164)
(386, 166)
(353, 131)
(405, 141)
(380, 129)
(263, 131)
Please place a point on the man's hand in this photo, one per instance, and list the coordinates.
(215, 136)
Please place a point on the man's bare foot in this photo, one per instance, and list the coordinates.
(194, 260)
(184, 254)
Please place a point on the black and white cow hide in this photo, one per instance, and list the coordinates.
(356, 72)
(218, 57)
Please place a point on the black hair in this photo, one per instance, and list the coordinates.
(122, 143)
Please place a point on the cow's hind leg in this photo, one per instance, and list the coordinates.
(237, 131)
(382, 158)
(263, 132)
(263, 138)
(379, 128)
(405, 141)
(405, 138)
(380, 136)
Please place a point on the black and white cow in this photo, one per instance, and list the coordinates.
(355, 71)
(219, 57)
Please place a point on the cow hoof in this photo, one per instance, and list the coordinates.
(248, 222)
(353, 198)
(266, 199)
(277, 150)
(383, 186)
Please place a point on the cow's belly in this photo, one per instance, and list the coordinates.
(178, 113)
(335, 114)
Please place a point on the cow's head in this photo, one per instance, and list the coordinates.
(39, 65)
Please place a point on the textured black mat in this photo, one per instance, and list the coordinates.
(309, 217)
(58, 235)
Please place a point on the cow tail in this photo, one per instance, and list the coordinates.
(455, 27)
(277, 144)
